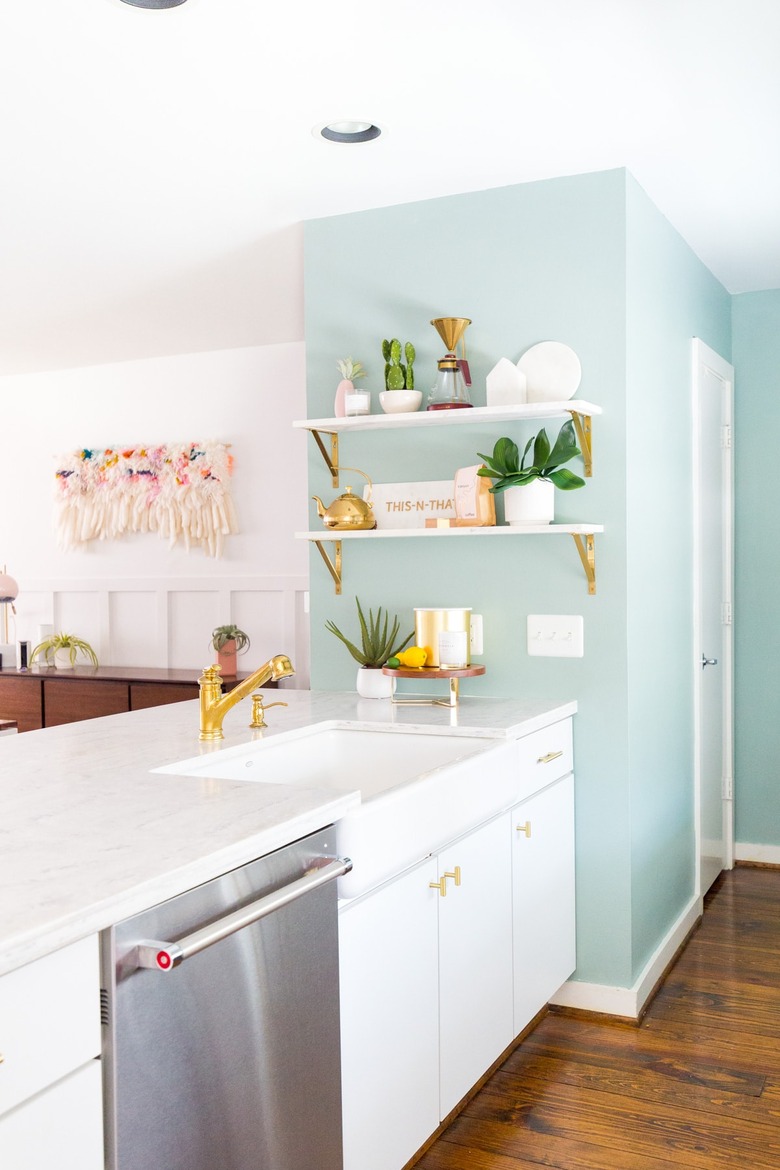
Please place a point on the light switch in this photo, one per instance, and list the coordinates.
(556, 635)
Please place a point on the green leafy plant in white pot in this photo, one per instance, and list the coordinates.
(229, 642)
(378, 642)
(61, 650)
(529, 483)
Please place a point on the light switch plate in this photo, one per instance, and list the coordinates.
(556, 635)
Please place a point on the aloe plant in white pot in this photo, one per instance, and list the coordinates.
(378, 642)
(529, 487)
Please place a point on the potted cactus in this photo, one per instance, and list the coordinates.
(350, 371)
(399, 393)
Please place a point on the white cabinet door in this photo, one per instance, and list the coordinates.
(49, 1020)
(543, 896)
(389, 1021)
(475, 958)
(61, 1127)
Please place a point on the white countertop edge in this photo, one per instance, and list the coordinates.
(69, 928)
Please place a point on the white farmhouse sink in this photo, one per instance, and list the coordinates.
(417, 790)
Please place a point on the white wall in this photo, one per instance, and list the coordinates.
(138, 602)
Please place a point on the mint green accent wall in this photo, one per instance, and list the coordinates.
(670, 298)
(562, 259)
(756, 328)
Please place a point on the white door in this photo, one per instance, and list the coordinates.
(713, 390)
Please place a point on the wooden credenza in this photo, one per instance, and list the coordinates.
(44, 697)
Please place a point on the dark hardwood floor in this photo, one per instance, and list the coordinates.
(695, 1085)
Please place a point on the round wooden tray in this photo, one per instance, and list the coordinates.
(434, 671)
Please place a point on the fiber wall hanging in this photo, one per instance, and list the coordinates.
(177, 490)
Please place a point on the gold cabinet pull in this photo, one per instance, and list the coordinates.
(549, 757)
(526, 828)
(441, 885)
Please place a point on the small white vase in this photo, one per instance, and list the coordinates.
(372, 684)
(530, 503)
(62, 660)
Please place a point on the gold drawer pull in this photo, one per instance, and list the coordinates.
(549, 757)
(526, 828)
(441, 885)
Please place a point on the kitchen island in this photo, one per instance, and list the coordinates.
(88, 835)
(92, 833)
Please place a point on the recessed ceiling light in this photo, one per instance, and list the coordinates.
(154, 3)
(348, 131)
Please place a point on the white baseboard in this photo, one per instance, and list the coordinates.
(763, 854)
(629, 1002)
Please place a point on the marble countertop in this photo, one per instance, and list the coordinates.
(89, 835)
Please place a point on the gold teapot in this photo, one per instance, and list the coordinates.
(348, 511)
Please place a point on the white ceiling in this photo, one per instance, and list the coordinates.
(155, 167)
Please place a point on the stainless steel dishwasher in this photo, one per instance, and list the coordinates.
(221, 1021)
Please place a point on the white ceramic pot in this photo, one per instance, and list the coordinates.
(62, 660)
(400, 401)
(372, 684)
(531, 503)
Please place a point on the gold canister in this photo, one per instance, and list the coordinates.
(445, 635)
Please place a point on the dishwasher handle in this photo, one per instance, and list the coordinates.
(164, 956)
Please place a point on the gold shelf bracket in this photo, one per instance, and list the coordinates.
(586, 547)
(583, 426)
(332, 459)
(333, 566)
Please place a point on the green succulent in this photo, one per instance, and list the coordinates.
(378, 638)
(350, 369)
(223, 634)
(508, 470)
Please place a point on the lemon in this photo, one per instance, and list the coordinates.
(414, 657)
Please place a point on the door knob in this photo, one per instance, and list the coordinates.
(708, 662)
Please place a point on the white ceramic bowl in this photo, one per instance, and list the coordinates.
(398, 401)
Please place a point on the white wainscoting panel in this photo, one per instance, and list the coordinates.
(192, 615)
(133, 626)
(151, 623)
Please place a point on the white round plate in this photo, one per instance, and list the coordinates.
(552, 370)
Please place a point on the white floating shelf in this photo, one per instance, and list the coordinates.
(583, 534)
(438, 533)
(435, 418)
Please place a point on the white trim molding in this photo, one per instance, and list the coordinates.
(629, 1002)
(758, 854)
